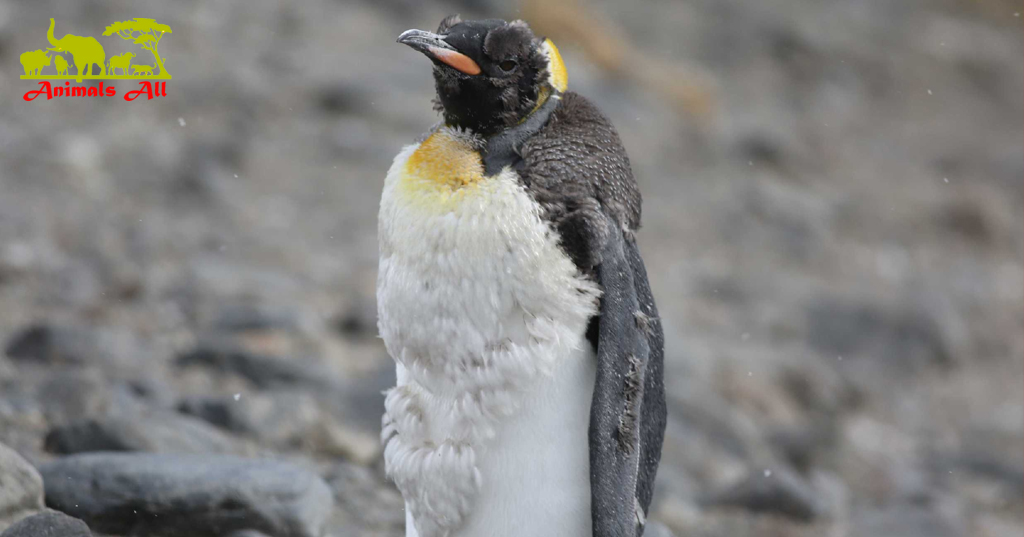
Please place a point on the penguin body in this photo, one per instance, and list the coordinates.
(514, 302)
(486, 317)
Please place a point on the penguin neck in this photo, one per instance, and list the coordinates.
(502, 148)
(542, 98)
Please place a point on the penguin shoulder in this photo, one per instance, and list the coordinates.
(578, 159)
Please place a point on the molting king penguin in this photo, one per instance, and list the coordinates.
(511, 294)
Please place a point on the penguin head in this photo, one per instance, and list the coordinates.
(489, 74)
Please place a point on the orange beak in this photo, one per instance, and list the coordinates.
(434, 46)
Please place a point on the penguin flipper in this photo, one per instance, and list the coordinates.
(627, 416)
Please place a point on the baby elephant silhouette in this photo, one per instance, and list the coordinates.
(142, 69)
(61, 64)
(120, 62)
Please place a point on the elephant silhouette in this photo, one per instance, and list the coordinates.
(61, 64)
(142, 70)
(120, 62)
(34, 60)
(86, 51)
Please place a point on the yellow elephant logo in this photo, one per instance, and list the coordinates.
(89, 60)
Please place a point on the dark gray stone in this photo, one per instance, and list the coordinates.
(265, 371)
(358, 319)
(49, 523)
(152, 390)
(244, 316)
(1009, 476)
(188, 495)
(219, 411)
(155, 431)
(805, 446)
(277, 417)
(289, 419)
(820, 388)
(704, 413)
(779, 492)
(21, 487)
(53, 344)
(906, 339)
(62, 344)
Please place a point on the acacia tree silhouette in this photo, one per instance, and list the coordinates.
(149, 34)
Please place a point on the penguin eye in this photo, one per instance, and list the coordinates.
(507, 65)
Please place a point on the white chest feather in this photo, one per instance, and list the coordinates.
(485, 433)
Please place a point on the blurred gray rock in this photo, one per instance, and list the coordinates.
(74, 393)
(219, 411)
(287, 420)
(904, 521)
(62, 344)
(153, 431)
(151, 389)
(339, 439)
(200, 172)
(275, 417)
(263, 370)
(215, 276)
(49, 523)
(1009, 476)
(366, 498)
(358, 319)
(778, 492)
(188, 495)
(820, 388)
(21, 487)
(54, 344)
(246, 315)
(904, 340)
(75, 284)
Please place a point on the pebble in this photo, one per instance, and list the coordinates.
(21, 487)
(176, 495)
(48, 523)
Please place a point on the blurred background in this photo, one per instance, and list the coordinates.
(833, 216)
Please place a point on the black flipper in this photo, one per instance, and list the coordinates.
(627, 416)
(653, 412)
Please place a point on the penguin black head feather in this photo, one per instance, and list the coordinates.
(489, 74)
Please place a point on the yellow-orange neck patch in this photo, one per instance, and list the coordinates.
(558, 77)
(443, 163)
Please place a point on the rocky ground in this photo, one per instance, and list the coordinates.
(833, 233)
